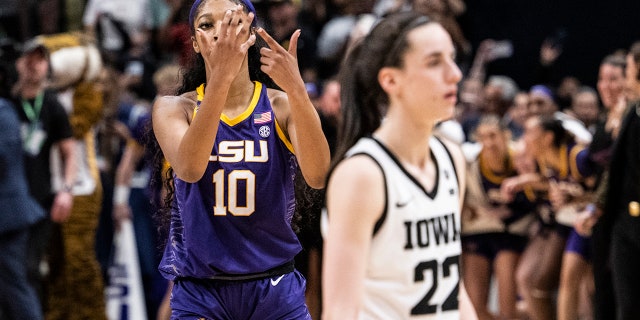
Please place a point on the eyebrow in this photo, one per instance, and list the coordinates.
(204, 15)
(439, 54)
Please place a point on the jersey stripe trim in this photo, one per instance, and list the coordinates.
(431, 194)
(252, 105)
(283, 137)
(378, 225)
(573, 162)
(453, 163)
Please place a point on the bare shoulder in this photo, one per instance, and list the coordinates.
(359, 169)
(359, 177)
(277, 96)
(175, 106)
(280, 104)
(356, 187)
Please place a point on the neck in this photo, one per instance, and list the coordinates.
(28, 91)
(494, 160)
(240, 93)
(409, 143)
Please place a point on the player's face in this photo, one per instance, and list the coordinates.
(585, 107)
(519, 111)
(210, 16)
(632, 85)
(492, 138)
(33, 67)
(533, 137)
(430, 75)
(540, 104)
(610, 84)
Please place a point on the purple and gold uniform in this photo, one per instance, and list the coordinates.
(501, 225)
(234, 225)
(575, 170)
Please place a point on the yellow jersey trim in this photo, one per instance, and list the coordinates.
(496, 177)
(283, 137)
(573, 162)
(252, 105)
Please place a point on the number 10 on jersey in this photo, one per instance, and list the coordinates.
(233, 186)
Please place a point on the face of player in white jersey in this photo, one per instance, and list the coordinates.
(426, 83)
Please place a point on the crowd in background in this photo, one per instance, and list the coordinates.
(538, 157)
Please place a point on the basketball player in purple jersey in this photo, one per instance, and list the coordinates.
(234, 146)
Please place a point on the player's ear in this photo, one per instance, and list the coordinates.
(194, 43)
(387, 77)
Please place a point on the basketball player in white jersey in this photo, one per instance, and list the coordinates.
(392, 240)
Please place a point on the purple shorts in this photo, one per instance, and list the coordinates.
(489, 245)
(279, 297)
(578, 244)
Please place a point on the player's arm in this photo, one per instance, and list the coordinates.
(133, 153)
(63, 201)
(187, 146)
(177, 139)
(302, 125)
(295, 112)
(355, 201)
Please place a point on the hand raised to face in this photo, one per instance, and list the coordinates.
(224, 43)
(279, 63)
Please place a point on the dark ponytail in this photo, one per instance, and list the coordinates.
(554, 125)
(364, 103)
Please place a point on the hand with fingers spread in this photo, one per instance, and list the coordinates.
(225, 45)
(282, 64)
(225, 198)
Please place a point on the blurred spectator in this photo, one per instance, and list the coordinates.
(585, 107)
(542, 101)
(44, 122)
(471, 98)
(611, 82)
(110, 136)
(134, 15)
(569, 86)
(557, 155)
(18, 298)
(446, 12)
(133, 197)
(517, 114)
(498, 94)
(329, 110)
(353, 20)
(494, 228)
(120, 25)
(621, 207)
(282, 23)
(82, 100)
(174, 36)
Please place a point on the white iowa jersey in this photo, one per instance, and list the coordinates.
(413, 265)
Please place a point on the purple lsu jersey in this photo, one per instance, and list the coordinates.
(237, 219)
